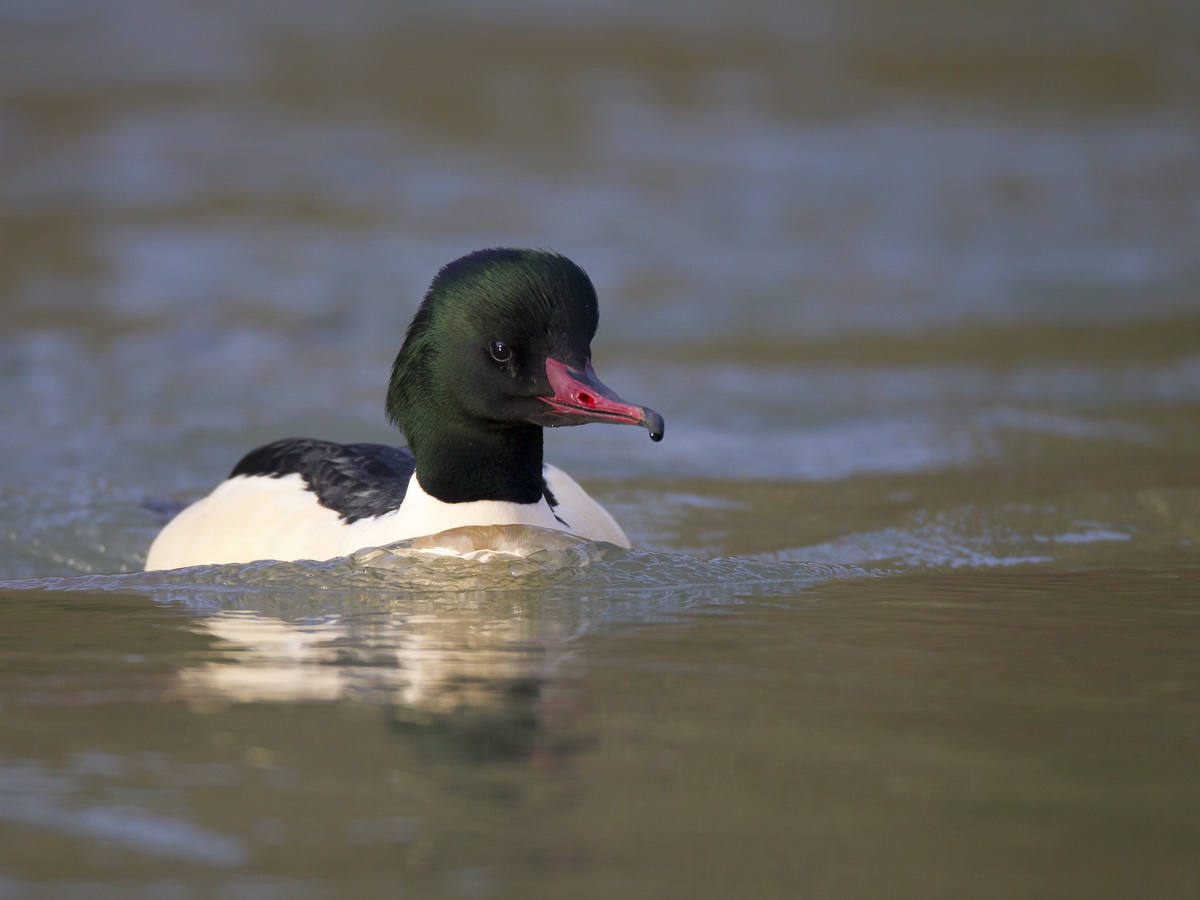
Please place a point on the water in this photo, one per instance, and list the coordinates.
(913, 609)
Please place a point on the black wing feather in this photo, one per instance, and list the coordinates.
(357, 481)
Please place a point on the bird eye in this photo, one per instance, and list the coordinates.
(500, 351)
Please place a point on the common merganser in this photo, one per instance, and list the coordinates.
(499, 348)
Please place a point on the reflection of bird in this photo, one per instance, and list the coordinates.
(500, 347)
(474, 663)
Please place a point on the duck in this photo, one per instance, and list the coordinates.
(498, 350)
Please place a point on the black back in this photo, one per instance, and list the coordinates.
(356, 481)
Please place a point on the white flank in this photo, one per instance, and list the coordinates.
(583, 515)
(251, 518)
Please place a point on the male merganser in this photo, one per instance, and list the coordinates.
(499, 348)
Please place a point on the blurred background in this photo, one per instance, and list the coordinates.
(832, 240)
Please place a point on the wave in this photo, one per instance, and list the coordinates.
(492, 559)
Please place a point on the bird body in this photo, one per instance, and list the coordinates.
(251, 517)
(499, 349)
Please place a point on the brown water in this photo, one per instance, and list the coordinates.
(916, 611)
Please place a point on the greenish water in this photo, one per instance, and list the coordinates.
(915, 604)
(1026, 733)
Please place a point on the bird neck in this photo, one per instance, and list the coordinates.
(493, 463)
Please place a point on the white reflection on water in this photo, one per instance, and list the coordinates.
(413, 627)
(486, 614)
(427, 664)
(445, 651)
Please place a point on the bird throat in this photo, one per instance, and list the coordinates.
(498, 463)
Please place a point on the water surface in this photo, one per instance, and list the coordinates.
(913, 609)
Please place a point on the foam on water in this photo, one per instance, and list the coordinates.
(1015, 534)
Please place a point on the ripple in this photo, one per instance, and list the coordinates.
(465, 619)
(510, 558)
(34, 796)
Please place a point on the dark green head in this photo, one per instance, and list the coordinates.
(500, 346)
